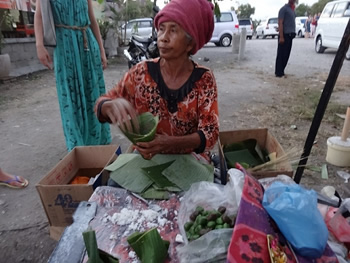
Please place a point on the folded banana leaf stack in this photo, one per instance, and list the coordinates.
(248, 153)
(156, 178)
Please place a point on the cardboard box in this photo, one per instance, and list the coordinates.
(265, 140)
(59, 198)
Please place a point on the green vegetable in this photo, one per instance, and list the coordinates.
(211, 224)
(199, 209)
(219, 221)
(226, 225)
(188, 225)
(194, 215)
(198, 229)
(195, 237)
(218, 227)
(203, 221)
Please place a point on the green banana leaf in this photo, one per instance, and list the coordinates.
(121, 161)
(251, 145)
(152, 193)
(131, 177)
(149, 246)
(96, 255)
(148, 127)
(186, 170)
(241, 156)
(155, 174)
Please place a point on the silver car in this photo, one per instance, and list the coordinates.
(225, 26)
(139, 26)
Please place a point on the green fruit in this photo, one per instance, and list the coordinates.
(219, 221)
(188, 225)
(226, 225)
(194, 237)
(205, 213)
(191, 231)
(203, 221)
(198, 229)
(211, 224)
(219, 227)
(199, 209)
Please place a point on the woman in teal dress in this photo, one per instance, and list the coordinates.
(79, 60)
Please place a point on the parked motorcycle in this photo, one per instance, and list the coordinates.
(142, 48)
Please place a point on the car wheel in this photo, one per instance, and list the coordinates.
(257, 36)
(217, 44)
(273, 36)
(250, 37)
(318, 46)
(300, 34)
(225, 40)
(263, 36)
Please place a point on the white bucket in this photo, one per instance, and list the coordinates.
(338, 152)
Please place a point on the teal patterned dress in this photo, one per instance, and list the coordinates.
(79, 75)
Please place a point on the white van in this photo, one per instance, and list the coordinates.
(225, 26)
(331, 25)
(267, 28)
(300, 25)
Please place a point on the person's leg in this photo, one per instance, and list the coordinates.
(288, 40)
(279, 70)
(12, 181)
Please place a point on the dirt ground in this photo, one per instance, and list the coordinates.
(32, 142)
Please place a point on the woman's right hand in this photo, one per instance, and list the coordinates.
(44, 57)
(121, 112)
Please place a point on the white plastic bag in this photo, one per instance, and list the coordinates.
(214, 244)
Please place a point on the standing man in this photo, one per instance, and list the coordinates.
(286, 27)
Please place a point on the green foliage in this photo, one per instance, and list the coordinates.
(256, 23)
(104, 28)
(303, 10)
(6, 20)
(245, 11)
(318, 7)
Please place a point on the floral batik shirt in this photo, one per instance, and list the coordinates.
(192, 108)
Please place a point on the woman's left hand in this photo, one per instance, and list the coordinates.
(160, 144)
(103, 60)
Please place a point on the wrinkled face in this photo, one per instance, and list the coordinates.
(172, 41)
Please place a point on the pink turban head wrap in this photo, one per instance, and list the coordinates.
(196, 17)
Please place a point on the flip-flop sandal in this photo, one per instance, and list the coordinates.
(16, 179)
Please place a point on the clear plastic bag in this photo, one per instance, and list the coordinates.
(294, 209)
(214, 244)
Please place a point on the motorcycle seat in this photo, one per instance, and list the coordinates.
(142, 39)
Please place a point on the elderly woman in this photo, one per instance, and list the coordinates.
(182, 93)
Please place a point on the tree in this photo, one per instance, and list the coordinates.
(245, 11)
(318, 7)
(303, 10)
